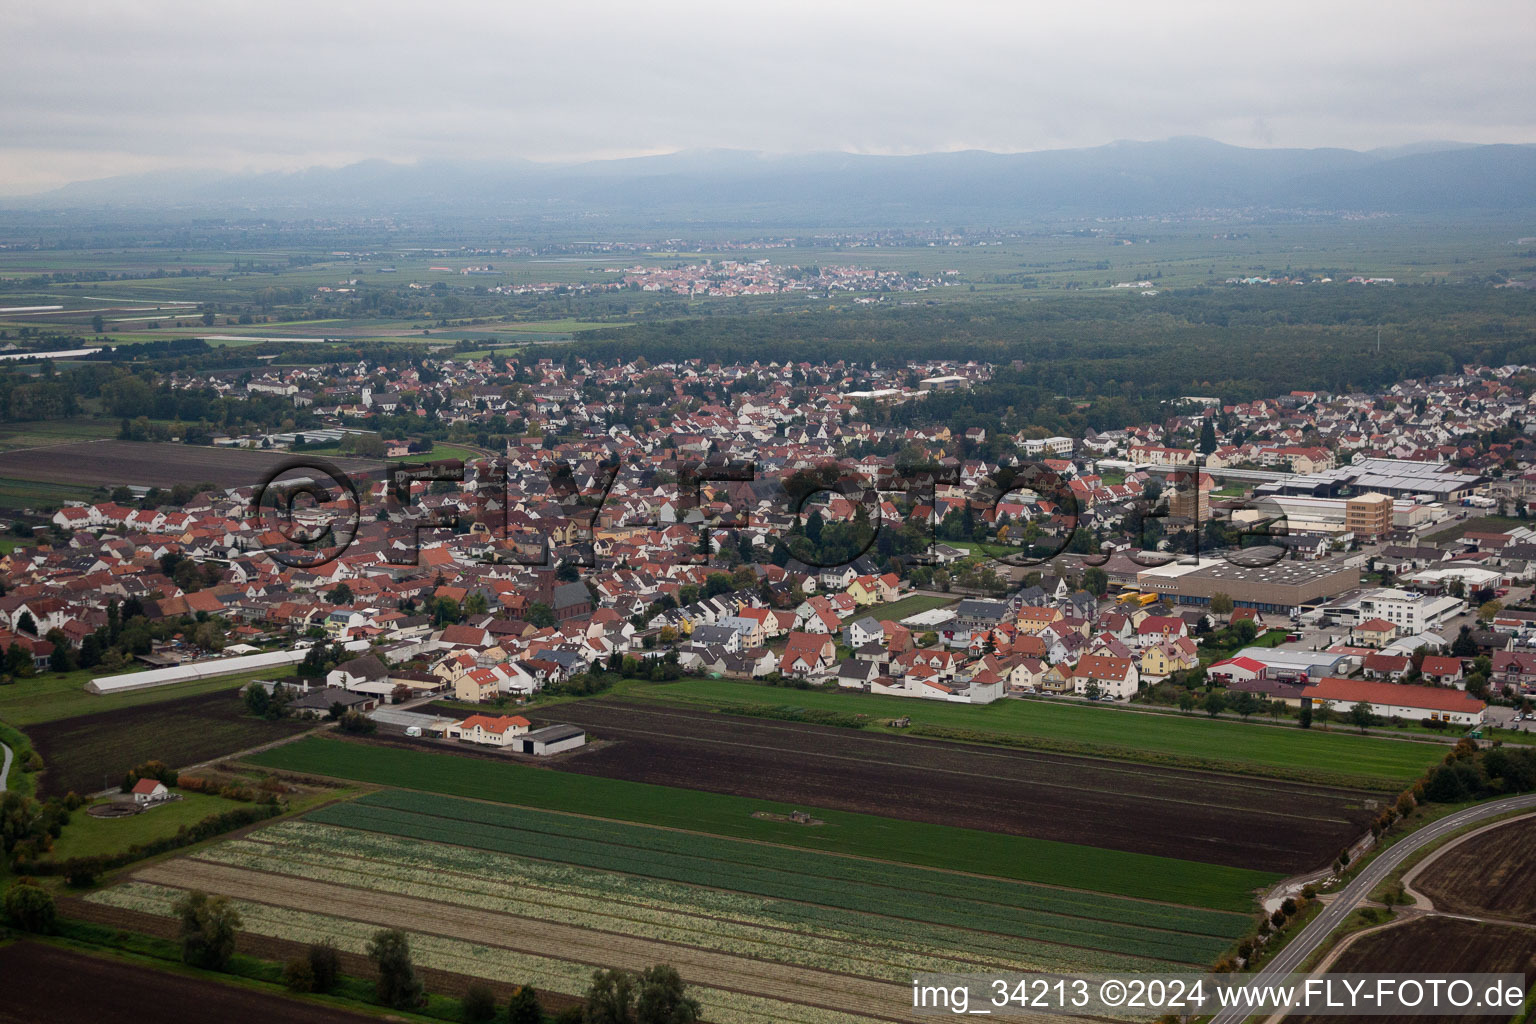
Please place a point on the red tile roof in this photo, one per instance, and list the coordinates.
(1428, 698)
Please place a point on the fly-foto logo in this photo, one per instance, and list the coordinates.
(309, 512)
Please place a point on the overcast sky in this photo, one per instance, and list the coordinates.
(94, 89)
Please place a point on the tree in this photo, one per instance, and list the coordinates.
(1096, 581)
(1244, 703)
(611, 998)
(208, 925)
(398, 987)
(61, 660)
(1490, 610)
(298, 975)
(257, 700)
(356, 723)
(1221, 603)
(479, 1003)
(540, 615)
(340, 594)
(29, 906)
(1305, 719)
(27, 624)
(1188, 701)
(663, 998)
(1208, 436)
(524, 1007)
(324, 965)
(1214, 703)
(1361, 716)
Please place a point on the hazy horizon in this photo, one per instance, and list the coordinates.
(99, 90)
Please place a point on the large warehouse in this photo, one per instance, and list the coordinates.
(1398, 478)
(1286, 587)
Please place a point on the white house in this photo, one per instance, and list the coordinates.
(497, 731)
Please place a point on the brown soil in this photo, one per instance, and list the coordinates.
(1219, 819)
(1492, 874)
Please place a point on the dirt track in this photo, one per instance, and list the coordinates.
(1201, 816)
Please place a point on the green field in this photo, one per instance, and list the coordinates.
(895, 611)
(19, 494)
(1015, 857)
(86, 836)
(1282, 752)
(40, 433)
(791, 879)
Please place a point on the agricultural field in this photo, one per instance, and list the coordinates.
(1437, 945)
(764, 931)
(1218, 819)
(48, 698)
(1323, 757)
(68, 987)
(1021, 858)
(42, 433)
(18, 494)
(1491, 874)
(91, 752)
(109, 463)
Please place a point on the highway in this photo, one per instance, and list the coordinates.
(1316, 933)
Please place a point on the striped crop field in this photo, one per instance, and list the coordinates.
(765, 932)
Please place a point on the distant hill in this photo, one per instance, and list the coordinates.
(730, 186)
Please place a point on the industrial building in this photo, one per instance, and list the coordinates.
(1367, 517)
(552, 739)
(1397, 478)
(1286, 587)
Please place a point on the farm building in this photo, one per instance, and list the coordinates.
(318, 702)
(204, 669)
(552, 739)
(493, 731)
(150, 791)
(1416, 703)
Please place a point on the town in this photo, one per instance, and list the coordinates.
(990, 585)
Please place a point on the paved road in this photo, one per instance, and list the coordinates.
(1317, 932)
(5, 767)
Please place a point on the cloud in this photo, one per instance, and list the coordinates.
(99, 88)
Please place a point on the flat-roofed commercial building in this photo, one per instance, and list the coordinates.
(1307, 514)
(1286, 586)
(1396, 478)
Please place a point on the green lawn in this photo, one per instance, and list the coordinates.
(86, 836)
(989, 853)
(1251, 748)
(895, 611)
(51, 696)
